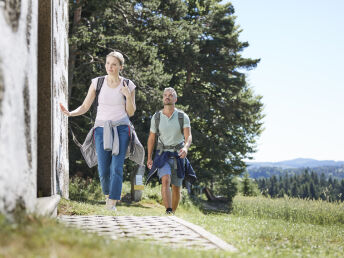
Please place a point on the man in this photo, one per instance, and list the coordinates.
(174, 140)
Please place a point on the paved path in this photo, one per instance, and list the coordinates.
(166, 229)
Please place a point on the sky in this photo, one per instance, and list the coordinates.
(300, 75)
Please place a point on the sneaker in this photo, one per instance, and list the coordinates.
(112, 208)
(169, 211)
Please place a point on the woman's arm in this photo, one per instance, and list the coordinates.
(91, 94)
(130, 106)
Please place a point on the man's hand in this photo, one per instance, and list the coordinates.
(149, 163)
(183, 152)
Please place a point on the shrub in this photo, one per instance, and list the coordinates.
(81, 189)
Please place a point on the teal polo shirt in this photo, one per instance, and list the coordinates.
(169, 128)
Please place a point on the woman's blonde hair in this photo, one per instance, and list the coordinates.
(118, 55)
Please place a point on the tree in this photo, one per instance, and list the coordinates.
(192, 46)
(312, 191)
(294, 190)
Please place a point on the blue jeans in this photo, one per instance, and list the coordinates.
(110, 167)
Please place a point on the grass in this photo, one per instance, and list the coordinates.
(260, 237)
(257, 226)
(43, 237)
(290, 209)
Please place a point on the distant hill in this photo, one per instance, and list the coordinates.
(296, 166)
(297, 163)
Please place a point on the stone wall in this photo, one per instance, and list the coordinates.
(19, 91)
(60, 90)
(18, 98)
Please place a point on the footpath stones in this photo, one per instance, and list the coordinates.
(169, 230)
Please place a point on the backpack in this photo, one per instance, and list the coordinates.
(157, 123)
(100, 83)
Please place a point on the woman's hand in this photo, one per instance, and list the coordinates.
(125, 90)
(64, 110)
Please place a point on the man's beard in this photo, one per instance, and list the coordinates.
(168, 102)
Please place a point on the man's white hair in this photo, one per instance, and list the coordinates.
(174, 93)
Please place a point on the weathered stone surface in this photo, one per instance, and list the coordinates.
(18, 94)
(29, 24)
(12, 13)
(2, 89)
(60, 78)
(33, 160)
(27, 121)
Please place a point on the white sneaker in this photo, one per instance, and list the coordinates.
(112, 208)
(111, 205)
(106, 200)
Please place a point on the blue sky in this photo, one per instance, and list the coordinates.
(300, 76)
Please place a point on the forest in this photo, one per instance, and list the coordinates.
(305, 185)
(265, 172)
(192, 46)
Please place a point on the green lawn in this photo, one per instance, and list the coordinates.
(258, 227)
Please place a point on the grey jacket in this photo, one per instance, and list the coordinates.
(135, 151)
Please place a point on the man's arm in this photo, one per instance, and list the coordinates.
(150, 147)
(188, 139)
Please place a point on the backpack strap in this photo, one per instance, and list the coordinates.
(100, 83)
(157, 122)
(126, 81)
(181, 121)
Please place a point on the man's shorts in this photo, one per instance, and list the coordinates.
(166, 169)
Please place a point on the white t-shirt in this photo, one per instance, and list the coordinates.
(111, 103)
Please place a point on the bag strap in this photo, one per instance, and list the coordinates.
(157, 123)
(126, 81)
(100, 83)
(75, 140)
(181, 121)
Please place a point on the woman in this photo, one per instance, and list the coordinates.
(116, 103)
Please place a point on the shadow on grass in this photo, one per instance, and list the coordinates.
(211, 207)
(88, 201)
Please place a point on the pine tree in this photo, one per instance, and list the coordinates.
(192, 46)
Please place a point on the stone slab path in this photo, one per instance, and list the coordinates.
(169, 230)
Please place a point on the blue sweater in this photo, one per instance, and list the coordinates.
(183, 170)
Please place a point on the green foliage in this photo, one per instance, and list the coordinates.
(85, 189)
(265, 172)
(192, 46)
(248, 187)
(227, 187)
(307, 185)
